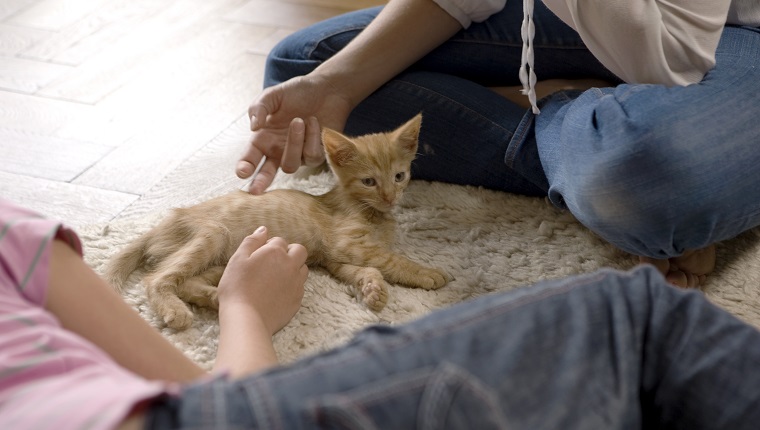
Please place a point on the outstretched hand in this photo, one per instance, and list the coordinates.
(286, 120)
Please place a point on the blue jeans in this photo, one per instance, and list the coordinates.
(608, 350)
(653, 170)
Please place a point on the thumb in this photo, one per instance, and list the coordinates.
(252, 242)
(268, 102)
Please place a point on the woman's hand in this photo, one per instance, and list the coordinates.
(286, 120)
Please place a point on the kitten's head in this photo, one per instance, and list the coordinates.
(374, 168)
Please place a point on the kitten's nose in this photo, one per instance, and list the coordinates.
(389, 198)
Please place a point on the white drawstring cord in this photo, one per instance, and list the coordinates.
(527, 75)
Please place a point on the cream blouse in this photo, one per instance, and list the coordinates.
(642, 41)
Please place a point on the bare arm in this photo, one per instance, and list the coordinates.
(259, 293)
(404, 32)
(286, 118)
(86, 305)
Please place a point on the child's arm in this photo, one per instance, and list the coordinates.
(260, 291)
(86, 305)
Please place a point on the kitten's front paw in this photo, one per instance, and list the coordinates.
(374, 294)
(432, 279)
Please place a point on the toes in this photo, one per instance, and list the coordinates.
(689, 270)
(374, 296)
(683, 279)
(432, 279)
(663, 266)
(677, 278)
(699, 262)
(701, 280)
(440, 278)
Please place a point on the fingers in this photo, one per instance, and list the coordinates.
(258, 114)
(304, 145)
(246, 166)
(244, 169)
(291, 158)
(259, 238)
(298, 252)
(264, 178)
(263, 107)
(313, 154)
(252, 242)
(247, 163)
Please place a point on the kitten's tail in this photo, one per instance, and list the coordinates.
(125, 262)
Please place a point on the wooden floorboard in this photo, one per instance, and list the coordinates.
(42, 115)
(105, 26)
(56, 159)
(77, 205)
(204, 174)
(55, 14)
(112, 108)
(25, 76)
(14, 40)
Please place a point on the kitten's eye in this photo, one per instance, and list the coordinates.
(400, 176)
(368, 182)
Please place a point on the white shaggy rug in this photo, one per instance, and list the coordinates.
(489, 241)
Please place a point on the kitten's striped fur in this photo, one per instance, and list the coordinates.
(348, 231)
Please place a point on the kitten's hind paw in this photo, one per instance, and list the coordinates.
(168, 305)
(374, 294)
(199, 294)
(178, 319)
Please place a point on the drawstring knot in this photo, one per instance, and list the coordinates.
(527, 75)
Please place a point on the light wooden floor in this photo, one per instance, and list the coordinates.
(115, 108)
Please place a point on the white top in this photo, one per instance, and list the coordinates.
(669, 42)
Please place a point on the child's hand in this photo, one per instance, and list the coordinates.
(267, 276)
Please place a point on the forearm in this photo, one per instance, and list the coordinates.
(87, 306)
(404, 32)
(245, 343)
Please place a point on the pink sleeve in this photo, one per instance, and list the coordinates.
(25, 239)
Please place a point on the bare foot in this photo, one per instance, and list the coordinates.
(546, 87)
(688, 270)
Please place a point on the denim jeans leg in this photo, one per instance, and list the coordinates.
(657, 170)
(608, 350)
(466, 130)
(304, 50)
(487, 53)
(470, 135)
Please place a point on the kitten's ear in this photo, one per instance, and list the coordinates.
(409, 133)
(339, 148)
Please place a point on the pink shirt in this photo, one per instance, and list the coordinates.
(49, 377)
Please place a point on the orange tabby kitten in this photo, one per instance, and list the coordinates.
(348, 230)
